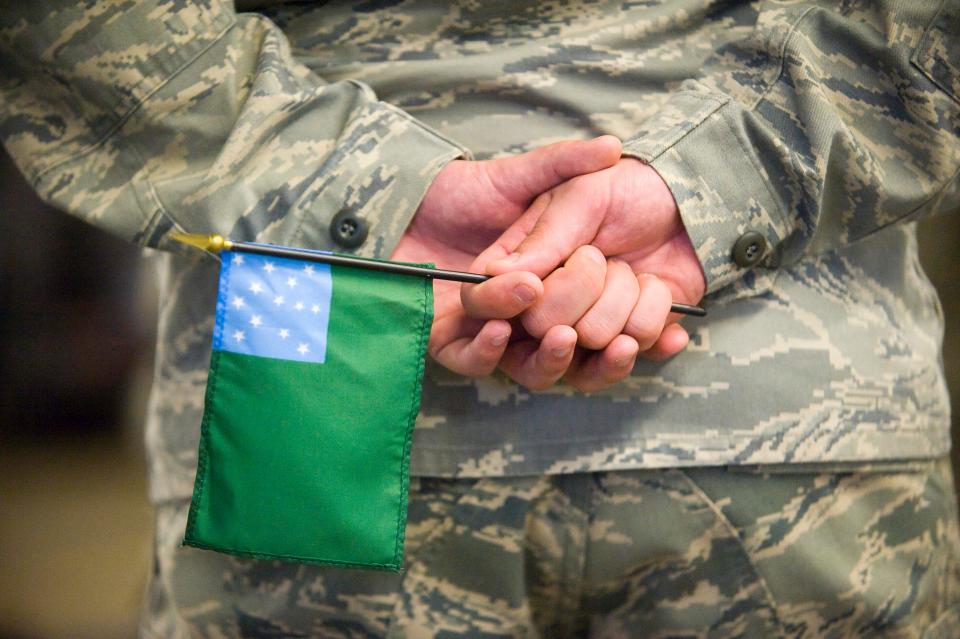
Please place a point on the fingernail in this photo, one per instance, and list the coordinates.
(623, 362)
(597, 257)
(499, 340)
(524, 293)
(561, 351)
(513, 257)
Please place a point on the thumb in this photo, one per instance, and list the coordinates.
(558, 222)
(521, 178)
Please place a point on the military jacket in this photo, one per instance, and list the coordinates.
(818, 131)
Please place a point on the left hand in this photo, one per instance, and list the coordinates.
(466, 207)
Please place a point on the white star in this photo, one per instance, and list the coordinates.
(315, 309)
(308, 269)
(278, 300)
(269, 267)
(239, 336)
(238, 302)
(284, 333)
(237, 258)
(256, 321)
(303, 349)
(291, 282)
(256, 288)
(298, 306)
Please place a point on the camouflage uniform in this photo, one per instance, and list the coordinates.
(696, 552)
(826, 128)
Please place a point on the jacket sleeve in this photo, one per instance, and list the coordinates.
(149, 116)
(823, 127)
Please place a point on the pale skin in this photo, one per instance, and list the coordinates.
(611, 226)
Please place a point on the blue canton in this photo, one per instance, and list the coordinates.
(273, 307)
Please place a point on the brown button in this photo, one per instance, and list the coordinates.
(749, 249)
(348, 229)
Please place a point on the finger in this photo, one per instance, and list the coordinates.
(673, 340)
(568, 292)
(511, 238)
(649, 316)
(572, 214)
(606, 319)
(521, 178)
(475, 356)
(503, 296)
(538, 366)
(596, 370)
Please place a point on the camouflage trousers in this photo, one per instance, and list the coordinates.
(701, 552)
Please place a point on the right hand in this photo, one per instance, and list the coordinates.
(619, 307)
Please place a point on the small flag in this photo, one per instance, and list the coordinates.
(313, 390)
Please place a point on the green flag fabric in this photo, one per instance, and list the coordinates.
(313, 390)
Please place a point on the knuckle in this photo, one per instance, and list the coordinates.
(643, 328)
(483, 365)
(624, 274)
(585, 288)
(535, 322)
(654, 288)
(594, 332)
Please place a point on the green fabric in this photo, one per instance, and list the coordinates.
(309, 462)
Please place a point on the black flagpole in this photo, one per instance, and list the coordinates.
(216, 243)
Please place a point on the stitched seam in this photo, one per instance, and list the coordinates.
(906, 216)
(162, 212)
(389, 116)
(212, 378)
(311, 560)
(683, 134)
(726, 100)
(920, 50)
(794, 30)
(783, 56)
(921, 54)
(729, 440)
(914, 59)
(716, 282)
(758, 170)
(426, 129)
(153, 210)
(718, 512)
(401, 522)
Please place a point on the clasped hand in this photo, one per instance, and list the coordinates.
(587, 250)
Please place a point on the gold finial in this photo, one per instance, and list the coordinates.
(211, 243)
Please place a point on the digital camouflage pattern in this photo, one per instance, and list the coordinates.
(828, 127)
(703, 552)
(825, 128)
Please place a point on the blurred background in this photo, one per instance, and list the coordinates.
(77, 312)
